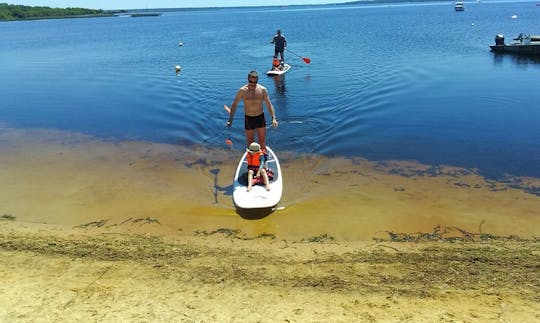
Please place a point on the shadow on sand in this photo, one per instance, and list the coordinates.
(255, 214)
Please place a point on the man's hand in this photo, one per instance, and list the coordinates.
(229, 122)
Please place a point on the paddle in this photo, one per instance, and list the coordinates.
(305, 59)
(228, 141)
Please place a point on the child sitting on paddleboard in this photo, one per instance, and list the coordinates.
(255, 160)
(276, 64)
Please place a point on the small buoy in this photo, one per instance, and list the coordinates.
(514, 17)
(177, 68)
(472, 23)
(180, 44)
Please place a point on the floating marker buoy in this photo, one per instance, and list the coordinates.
(514, 17)
(177, 68)
(180, 44)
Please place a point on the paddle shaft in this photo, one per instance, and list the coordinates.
(305, 59)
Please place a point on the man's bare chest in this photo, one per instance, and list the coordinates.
(253, 95)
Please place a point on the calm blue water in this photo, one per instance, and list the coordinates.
(412, 81)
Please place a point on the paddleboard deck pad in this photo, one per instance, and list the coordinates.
(286, 68)
(258, 197)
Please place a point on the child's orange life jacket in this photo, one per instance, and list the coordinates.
(253, 159)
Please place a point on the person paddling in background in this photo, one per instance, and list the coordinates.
(255, 164)
(280, 43)
(253, 95)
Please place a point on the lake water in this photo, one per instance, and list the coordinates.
(386, 82)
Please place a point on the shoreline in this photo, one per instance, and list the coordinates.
(75, 180)
(56, 273)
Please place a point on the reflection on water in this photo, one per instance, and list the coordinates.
(279, 97)
(517, 59)
(279, 83)
(71, 179)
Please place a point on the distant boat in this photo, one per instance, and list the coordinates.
(522, 44)
(459, 6)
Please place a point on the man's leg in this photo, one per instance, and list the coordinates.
(261, 134)
(250, 136)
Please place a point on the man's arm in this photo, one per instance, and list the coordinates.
(234, 105)
(270, 107)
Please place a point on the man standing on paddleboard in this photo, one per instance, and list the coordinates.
(280, 43)
(253, 95)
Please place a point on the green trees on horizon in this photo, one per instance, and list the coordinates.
(19, 12)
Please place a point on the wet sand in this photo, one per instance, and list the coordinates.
(97, 230)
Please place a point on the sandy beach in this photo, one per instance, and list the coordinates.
(53, 274)
(101, 231)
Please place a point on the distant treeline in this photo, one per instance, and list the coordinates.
(17, 12)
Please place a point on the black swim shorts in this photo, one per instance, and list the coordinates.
(251, 123)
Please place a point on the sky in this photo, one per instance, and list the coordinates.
(148, 4)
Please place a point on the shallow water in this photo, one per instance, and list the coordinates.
(411, 83)
(79, 181)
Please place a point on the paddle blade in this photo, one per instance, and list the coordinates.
(306, 60)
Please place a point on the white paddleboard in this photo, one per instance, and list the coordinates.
(286, 68)
(258, 197)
